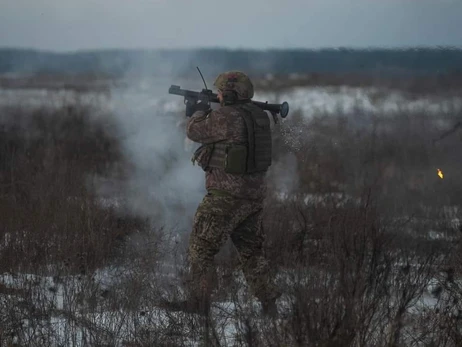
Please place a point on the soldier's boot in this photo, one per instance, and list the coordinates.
(191, 305)
(198, 298)
(196, 304)
(269, 308)
(268, 305)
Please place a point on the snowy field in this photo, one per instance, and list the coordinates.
(75, 311)
(56, 309)
(310, 101)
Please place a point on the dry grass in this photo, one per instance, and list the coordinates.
(412, 85)
(351, 246)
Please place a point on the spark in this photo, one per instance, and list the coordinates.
(440, 173)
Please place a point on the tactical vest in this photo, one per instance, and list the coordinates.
(252, 156)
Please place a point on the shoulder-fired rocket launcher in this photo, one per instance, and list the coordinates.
(207, 96)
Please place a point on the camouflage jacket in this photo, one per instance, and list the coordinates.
(226, 124)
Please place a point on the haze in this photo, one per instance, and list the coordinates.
(65, 25)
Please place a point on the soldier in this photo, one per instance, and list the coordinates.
(235, 155)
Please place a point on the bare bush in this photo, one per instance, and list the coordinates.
(362, 235)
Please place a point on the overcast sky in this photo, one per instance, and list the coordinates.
(68, 25)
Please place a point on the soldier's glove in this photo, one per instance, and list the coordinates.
(193, 107)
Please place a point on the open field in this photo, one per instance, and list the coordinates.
(97, 194)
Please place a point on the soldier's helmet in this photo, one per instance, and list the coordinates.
(236, 81)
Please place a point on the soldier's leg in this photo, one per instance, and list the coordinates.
(248, 240)
(210, 232)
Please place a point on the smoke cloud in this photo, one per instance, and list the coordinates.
(161, 182)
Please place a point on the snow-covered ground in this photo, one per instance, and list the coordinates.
(74, 311)
(53, 296)
(70, 311)
(330, 100)
(309, 100)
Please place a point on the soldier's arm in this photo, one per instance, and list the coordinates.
(207, 128)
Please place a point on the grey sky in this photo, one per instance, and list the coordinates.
(64, 25)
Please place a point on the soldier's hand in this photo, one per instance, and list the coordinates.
(200, 106)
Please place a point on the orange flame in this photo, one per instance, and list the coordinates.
(440, 173)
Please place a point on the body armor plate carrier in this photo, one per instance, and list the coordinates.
(244, 158)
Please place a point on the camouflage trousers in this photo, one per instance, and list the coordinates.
(218, 218)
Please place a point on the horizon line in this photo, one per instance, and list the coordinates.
(230, 49)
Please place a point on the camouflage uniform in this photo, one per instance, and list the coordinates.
(232, 208)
